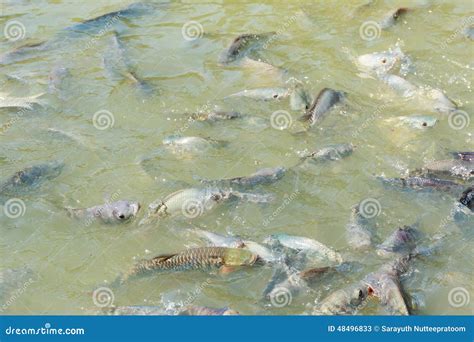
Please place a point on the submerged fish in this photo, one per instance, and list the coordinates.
(263, 94)
(219, 240)
(464, 155)
(402, 241)
(331, 152)
(207, 311)
(243, 45)
(203, 258)
(111, 213)
(180, 145)
(391, 18)
(424, 183)
(316, 248)
(452, 167)
(300, 99)
(7, 101)
(415, 121)
(346, 301)
(358, 233)
(56, 79)
(326, 99)
(215, 116)
(194, 202)
(400, 85)
(261, 177)
(27, 180)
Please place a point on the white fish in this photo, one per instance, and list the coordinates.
(7, 101)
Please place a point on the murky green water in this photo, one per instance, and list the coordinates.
(315, 44)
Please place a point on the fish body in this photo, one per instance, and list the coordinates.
(56, 79)
(7, 101)
(331, 152)
(263, 94)
(183, 145)
(358, 233)
(219, 240)
(300, 99)
(214, 116)
(346, 301)
(316, 248)
(424, 183)
(469, 156)
(415, 121)
(467, 198)
(402, 241)
(203, 258)
(109, 213)
(261, 177)
(450, 167)
(25, 181)
(380, 63)
(391, 18)
(326, 99)
(243, 45)
(400, 85)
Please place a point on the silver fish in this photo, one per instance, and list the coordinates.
(7, 101)
(261, 177)
(402, 241)
(415, 121)
(109, 213)
(358, 233)
(324, 102)
(331, 152)
(263, 94)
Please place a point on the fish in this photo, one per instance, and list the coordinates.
(450, 167)
(243, 45)
(207, 311)
(109, 213)
(263, 94)
(402, 241)
(195, 145)
(324, 102)
(119, 66)
(265, 254)
(400, 85)
(7, 101)
(194, 202)
(385, 285)
(261, 177)
(423, 183)
(345, 301)
(468, 32)
(469, 156)
(316, 248)
(29, 179)
(439, 100)
(414, 121)
(25, 51)
(380, 63)
(330, 152)
(202, 258)
(135, 310)
(467, 198)
(214, 116)
(391, 18)
(56, 79)
(358, 233)
(300, 99)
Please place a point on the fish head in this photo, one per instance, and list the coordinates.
(379, 63)
(467, 198)
(239, 257)
(124, 210)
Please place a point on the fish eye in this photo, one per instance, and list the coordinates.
(121, 216)
(384, 60)
(275, 96)
(424, 124)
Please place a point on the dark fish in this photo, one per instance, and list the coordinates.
(424, 183)
(359, 234)
(391, 18)
(244, 44)
(261, 177)
(110, 213)
(402, 241)
(452, 167)
(467, 198)
(25, 181)
(203, 258)
(215, 116)
(469, 156)
(326, 99)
